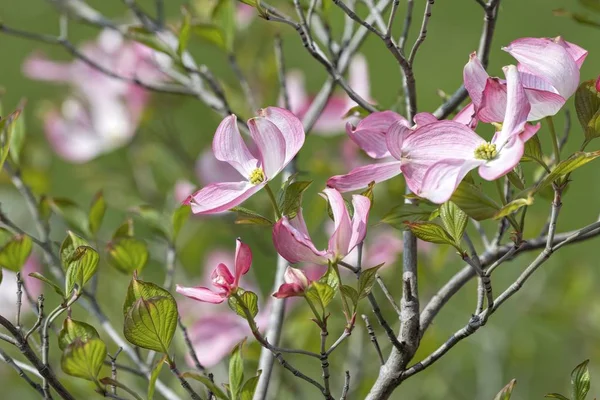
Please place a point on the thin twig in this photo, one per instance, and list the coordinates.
(184, 383)
(423, 33)
(190, 347)
(8, 360)
(339, 341)
(346, 385)
(40, 317)
(325, 360)
(407, 21)
(388, 295)
(113, 368)
(373, 338)
(19, 298)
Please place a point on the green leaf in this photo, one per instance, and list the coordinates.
(150, 316)
(474, 202)
(249, 217)
(210, 385)
(6, 130)
(330, 278)
(184, 32)
(68, 247)
(84, 359)
(580, 381)
(15, 253)
(47, 281)
(5, 236)
(249, 299)
(292, 198)
(556, 396)
(17, 138)
(321, 293)
(533, 151)
(350, 293)
(180, 216)
(224, 17)
(249, 387)
(454, 220)
(128, 255)
(567, 166)
(513, 206)
(96, 214)
(366, 280)
(71, 213)
(210, 33)
(516, 178)
(432, 233)
(506, 391)
(154, 376)
(80, 268)
(236, 371)
(109, 381)
(402, 213)
(124, 231)
(73, 330)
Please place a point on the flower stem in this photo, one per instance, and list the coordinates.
(344, 301)
(273, 201)
(554, 139)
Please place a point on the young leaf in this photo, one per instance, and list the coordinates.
(96, 215)
(587, 106)
(17, 137)
(236, 371)
(210, 385)
(154, 376)
(150, 316)
(402, 213)
(224, 17)
(366, 280)
(180, 216)
(506, 391)
(249, 300)
(513, 206)
(580, 381)
(330, 278)
(127, 255)
(350, 293)
(47, 281)
(454, 220)
(68, 247)
(474, 202)
(210, 33)
(249, 387)
(320, 293)
(576, 160)
(124, 231)
(14, 254)
(73, 330)
(292, 198)
(84, 359)
(515, 177)
(80, 268)
(433, 233)
(533, 151)
(6, 131)
(249, 217)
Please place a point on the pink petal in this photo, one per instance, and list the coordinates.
(294, 246)
(424, 118)
(296, 92)
(290, 127)
(358, 76)
(221, 277)
(229, 146)
(543, 103)
(296, 276)
(340, 240)
(578, 53)
(370, 132)
(183, 189)
(549, 60)
(288, 290)
(331, 120)
(214, 336)
(362, 205)
(220, 197)
(475, 78)
(493, 101)
(201, 294)
(442, 178)
(243, 260)
(467, 116)
(528, 131)
(517, 107)
(395, 138)
(210, 170)
(37, 66)
(598, 84)
(270, 143)
(361, 177)
(507, 159)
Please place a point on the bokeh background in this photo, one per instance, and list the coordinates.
(537, 337)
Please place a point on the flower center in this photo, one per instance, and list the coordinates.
(486, 151)
(257, 176)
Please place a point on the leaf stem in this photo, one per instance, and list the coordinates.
(273, 201)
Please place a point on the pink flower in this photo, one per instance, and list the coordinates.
(549, 72)
(8, 286)
(222, 279)
(278, 136)
(103, 112)
(293, 242)
(295, 284)
(457, 149)
(331, 120)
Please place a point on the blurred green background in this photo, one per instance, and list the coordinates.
(537, 337)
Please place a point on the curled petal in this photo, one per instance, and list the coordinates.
(361, 177)
(395, 138)
(362, 205)
(340, 240)
(201, 294)
(466, 116)
(475, 78)
(517, 107)
(528, 131)
(220, 197)
(243, 260)
(296, 276)
(507, 159)
(290, 127)
(424, 118)
(371, 141)
(442, 178)
(493, 101)
(229, 146)
(221, 277)
(289, 290)
(294, 246)
(270, 143)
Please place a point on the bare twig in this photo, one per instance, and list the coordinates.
(325, 360)
(388, 295)
(190, 347)
(40, 317)
(8, 360)
(423, 33)
(113, 368)
(346, 385)
(407, 21)
(373, 338)
(184, 383)
(19, 298)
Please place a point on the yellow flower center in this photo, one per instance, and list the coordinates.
(257, 176)
(486, 151)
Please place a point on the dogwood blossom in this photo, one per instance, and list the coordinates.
(295, 284)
